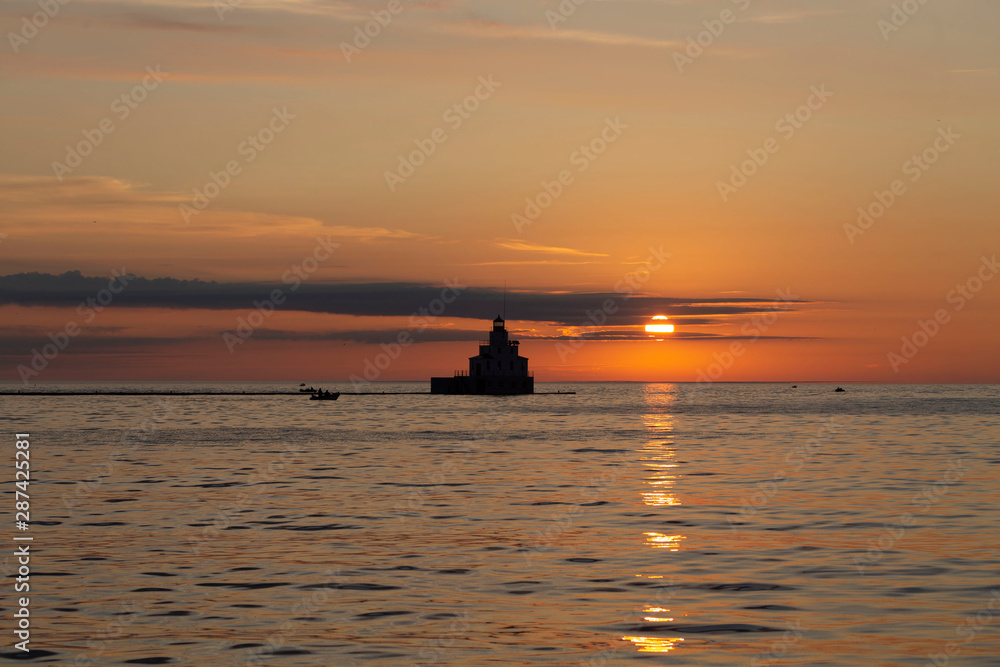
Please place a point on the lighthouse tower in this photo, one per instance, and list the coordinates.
(497, 369)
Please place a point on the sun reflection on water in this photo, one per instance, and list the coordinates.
(654, 644)
(656, 619)
(661, 541)
(659, 460)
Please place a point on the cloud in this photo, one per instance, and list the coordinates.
(18, 342)
(86, 222)
(793, 15)
(534, 247)
(545, 262)
(634, 335)
(499, 30)
(146, 21)
(331, 8)
(371, 233)
(399, 299)
(79, 190)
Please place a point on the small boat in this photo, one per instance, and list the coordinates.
(321, 396)
(302, 384)
(839, 389)
(310, 390)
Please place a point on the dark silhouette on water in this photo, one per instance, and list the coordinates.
(839, 389)
(498, 369)
(325, 396)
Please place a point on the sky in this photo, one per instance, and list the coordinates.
(288, 189)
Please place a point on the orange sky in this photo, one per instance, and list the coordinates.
(610, 109)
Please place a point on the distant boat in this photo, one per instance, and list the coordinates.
(839, 389)
(325, 397)
(302, 384)
(310, 390)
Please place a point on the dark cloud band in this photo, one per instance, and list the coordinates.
(379, 299)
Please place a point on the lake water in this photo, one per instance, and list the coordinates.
(629, 524)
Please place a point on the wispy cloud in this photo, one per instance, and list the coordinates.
(44, 198)
(371, 233)
(550, 250)
(336, 8)
(546, 262)
(498, 30)
(25, 189)
(793, 15)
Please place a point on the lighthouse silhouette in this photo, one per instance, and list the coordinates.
(498, 369)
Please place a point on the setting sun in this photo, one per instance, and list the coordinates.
(660, 328)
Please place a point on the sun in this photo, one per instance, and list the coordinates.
(659, 328)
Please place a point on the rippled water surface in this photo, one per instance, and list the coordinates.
(628, 524)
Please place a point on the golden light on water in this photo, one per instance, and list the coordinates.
(654, 644)
(656, 619)
(661, 541)
(659, 499)
(660, 328)
(662, 481)
(659, 461)
(661, 473)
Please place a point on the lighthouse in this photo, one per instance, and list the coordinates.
(497, 369)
